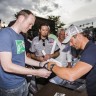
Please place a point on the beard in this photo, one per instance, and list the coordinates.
(45, 36)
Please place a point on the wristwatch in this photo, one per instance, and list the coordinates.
(51, 66)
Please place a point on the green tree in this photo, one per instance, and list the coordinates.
(58, 23)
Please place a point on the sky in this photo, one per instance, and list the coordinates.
(70, 11)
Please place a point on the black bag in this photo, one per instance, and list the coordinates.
(33, 86)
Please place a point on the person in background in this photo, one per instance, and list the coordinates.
(43, 43)
(65, 57)
(87, 63)
(51, 35)
(13, 57)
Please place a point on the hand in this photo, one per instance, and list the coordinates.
(47, 56)
(44, 73)
(40, 58)
(42, 64)
(28, 55)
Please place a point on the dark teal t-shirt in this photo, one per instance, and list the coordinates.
(12, 42)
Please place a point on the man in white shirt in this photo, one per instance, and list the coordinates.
(65, 56)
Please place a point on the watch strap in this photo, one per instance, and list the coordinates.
(51, 66)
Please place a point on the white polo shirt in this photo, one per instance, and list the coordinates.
(65, 53)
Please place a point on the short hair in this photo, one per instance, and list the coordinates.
(44, 24)
(85, 34)
(60, 29)
(23, 12)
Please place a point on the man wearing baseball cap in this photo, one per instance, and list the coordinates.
(87, 64)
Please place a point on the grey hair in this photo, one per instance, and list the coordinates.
(60, 29)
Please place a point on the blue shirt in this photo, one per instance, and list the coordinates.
(12, 42)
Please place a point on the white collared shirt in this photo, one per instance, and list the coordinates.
(65, 53)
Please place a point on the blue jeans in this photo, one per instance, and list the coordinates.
(19, 91)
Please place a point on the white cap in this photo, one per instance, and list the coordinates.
(71, 31)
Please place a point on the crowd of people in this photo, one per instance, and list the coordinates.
(51, 55)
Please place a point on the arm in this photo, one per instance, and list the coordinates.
(69, 58)
(73, 73)
(33, 48)
(33, 56)
(54, 55)
(46, 57)
(39, 58)
(32, 62)
(8, 66)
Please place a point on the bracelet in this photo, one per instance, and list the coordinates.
(51, 66)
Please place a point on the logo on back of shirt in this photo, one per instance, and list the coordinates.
(20, 46)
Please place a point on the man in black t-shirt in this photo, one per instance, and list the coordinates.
(87, 63)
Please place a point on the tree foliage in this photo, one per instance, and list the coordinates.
(58, 23)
